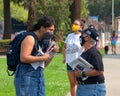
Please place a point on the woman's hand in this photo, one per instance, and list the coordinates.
(77, 72)
(55, 49)
(46, 56)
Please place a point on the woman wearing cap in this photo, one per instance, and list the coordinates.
(71, 50)
(94, 84)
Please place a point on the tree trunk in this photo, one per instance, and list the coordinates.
(31, 14)
(75, 9)
(7, 20)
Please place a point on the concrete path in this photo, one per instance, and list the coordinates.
(112, 72)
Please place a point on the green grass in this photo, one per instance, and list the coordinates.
(56, 80)
(102, 52)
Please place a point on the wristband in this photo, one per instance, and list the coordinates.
(82, 74)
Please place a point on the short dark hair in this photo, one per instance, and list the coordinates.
(45, 21)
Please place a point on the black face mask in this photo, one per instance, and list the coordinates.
(47, 36)
(82, 40)
(46, 40)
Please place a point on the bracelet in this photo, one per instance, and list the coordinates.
(82, 74)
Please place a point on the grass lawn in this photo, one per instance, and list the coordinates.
(55, 78)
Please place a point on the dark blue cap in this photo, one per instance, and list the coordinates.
(92, 32)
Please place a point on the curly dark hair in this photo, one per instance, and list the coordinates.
(45, 21)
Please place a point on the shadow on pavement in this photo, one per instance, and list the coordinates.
(117, 56)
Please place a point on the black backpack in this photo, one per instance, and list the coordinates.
(13, 55)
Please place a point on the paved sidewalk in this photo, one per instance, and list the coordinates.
(112, 72)
(112, 77)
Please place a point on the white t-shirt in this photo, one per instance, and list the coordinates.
(73, 47)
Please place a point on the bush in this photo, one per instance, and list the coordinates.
(60, 44)
(4, 46)
(102, 52)
(5, 42)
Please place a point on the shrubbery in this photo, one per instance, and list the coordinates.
(60, 44)
(102, 52)
(4, 45)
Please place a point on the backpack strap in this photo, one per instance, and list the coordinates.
(23, 35)
(10, 74)
(36, 45)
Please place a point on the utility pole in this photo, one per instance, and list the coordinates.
(112, 15)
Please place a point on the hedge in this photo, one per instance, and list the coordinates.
(4, 46)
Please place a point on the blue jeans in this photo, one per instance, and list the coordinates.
(91, 90)
(28, 81)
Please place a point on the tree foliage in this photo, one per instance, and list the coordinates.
(17, 11)
(103, 8)
(59, 10)
(96, 7)
(1, 10)
(85, 11)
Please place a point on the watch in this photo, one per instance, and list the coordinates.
(82, 74)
